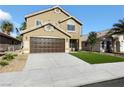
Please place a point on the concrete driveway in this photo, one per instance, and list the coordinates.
(54, 69)
(47, 61)
(60, 69)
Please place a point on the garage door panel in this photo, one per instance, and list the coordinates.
(38, 45)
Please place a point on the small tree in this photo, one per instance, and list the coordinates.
(6, 27)
(92, 38)
(23, 26)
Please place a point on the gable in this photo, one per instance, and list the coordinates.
(55, 27)
(51, 14)
(70, 18)
(48, 16)
(47, 10)
(41, 32)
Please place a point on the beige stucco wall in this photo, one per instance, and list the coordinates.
(50, 16)
(75, 34)
(42, 33)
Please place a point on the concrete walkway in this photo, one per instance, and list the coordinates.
(60, 69)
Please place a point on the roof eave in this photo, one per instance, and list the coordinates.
(5, 35)
(43, 26)
(39, 12)
(73, 19)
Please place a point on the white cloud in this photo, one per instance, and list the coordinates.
(16, 24)
(13, 34)
(4, 15)
(7, 16)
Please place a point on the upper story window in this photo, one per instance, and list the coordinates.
(70, 26)
(38, 23)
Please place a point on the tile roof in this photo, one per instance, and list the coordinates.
(7, 36)
(99, 35)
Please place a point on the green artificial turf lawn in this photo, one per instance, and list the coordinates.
(96, 58)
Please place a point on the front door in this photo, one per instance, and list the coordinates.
(74, 44)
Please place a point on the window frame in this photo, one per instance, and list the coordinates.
(71, 30)
(71, 23)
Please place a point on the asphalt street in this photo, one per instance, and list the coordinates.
(111, 83)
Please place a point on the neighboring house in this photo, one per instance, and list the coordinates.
(103, 44)
(118, 42)
(8, 43)
(51, 30)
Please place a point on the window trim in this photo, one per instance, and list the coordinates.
(71, 22)
(71, 30)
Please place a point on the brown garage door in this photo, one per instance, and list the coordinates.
(39, 45)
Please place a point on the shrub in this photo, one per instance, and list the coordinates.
(15, 55)
(3, 63)
(8, 57)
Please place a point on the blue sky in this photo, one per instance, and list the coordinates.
(94, 17)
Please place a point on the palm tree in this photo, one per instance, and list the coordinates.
(92, 38)
(23, 26)
(117, 27)
(6, 27)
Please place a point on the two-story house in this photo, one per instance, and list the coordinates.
(51, 30)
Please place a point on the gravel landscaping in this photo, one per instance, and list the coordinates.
(16, 64)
